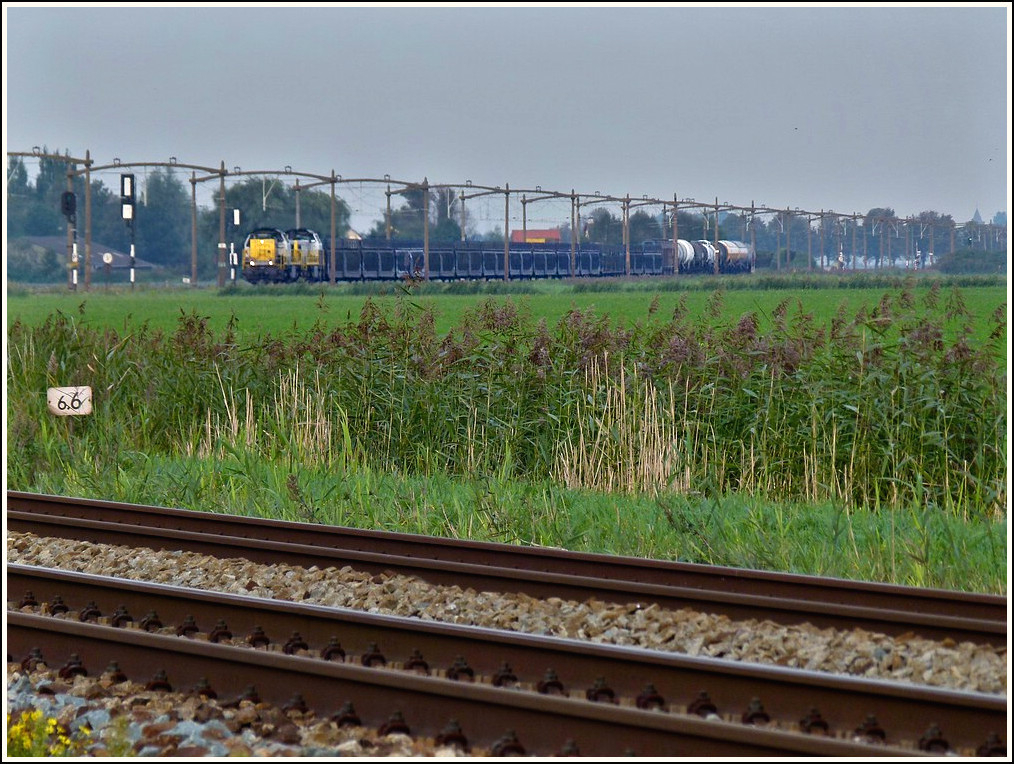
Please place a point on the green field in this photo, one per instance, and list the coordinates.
(847, 427)
(257, 312)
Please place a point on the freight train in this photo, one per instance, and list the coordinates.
(301, 254)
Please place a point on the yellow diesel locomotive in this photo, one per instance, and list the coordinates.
(274, 255)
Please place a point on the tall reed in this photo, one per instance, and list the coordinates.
(891, 406)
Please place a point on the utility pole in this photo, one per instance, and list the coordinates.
(193, 229)
(788, 237)
(854, 227)
(626, 234)
(809, 243)
(88, 220)
(823, 246)
(387, 216)
(221, 227)
(507, 232)
(426, 228)
(573, 232)
(753, 230)
(716, 237)
(330, 271)
(675, 234)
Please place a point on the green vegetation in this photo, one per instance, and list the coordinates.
(253, 311)
(817, 431)
(916, 545)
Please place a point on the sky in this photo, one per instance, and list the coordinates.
(833, 107)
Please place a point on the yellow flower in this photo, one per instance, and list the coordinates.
(33, 735)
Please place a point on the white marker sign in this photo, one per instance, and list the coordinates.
(69, 401)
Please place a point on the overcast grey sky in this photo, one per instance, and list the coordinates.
(823, 108)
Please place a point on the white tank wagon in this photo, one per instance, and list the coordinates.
(685, 256)
(704, 257)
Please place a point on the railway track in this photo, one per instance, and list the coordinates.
(605, 700)
(557, 695)
(539, 572)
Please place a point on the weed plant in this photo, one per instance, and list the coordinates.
(914, 545)
(32, 733)
(891, 410)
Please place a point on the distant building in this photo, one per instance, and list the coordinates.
(977, 218)
(118, 260)
(535, 235)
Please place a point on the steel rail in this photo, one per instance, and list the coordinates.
(545, 724)
(534, 583)
(830, 591)
(668, 680)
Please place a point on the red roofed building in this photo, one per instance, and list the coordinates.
(535, 235)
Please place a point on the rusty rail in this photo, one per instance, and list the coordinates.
(831, 591)
(545, 724)
(271, 543)
(603, 699)
(632, 677)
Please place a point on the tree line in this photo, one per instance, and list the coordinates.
(163, 224)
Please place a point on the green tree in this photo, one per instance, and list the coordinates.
(17, 177)
(968, 260)
(494, 234)
(643, 227)
(932, 232)
(407, 220)
(443, 207)
(51, 181)
(875, 225)
(108, 225)
(446, 230)
(19, 198)
(163, 221)
(315, 211)
(602, 227)
(690, 225)
(36, 208)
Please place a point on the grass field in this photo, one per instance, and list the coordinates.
(847, 427)
(256, 312)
